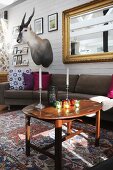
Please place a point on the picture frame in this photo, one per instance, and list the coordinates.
(14, 60)
(15, 31)
(25, 50)
(15, 49)
(53, 22)
(38, 26)
(19, 60)
(19, 52)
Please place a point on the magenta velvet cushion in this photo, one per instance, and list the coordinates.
(45, 81)
(46, 78)
(36, 81)
(110, 91)
(28, 81)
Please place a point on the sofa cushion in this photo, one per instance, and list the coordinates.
(93, 84)
(46, 78)
(110, 91)
(59, 80)
(18, 94)
(16, 79)
(28, 81)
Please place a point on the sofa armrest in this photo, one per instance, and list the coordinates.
(3, 86)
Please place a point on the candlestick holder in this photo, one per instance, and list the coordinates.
(67, 88)
(40, 105)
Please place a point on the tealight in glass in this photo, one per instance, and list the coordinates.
(58, 104)
(77, 103)
(66, 104)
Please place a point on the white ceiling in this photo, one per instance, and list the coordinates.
(5, 3)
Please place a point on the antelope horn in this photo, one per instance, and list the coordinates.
(22, 24)
(27, 23)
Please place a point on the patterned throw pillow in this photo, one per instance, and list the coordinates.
(16, 79)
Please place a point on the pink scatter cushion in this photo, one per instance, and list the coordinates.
(46, 78)
(110, 91)
(36, 81)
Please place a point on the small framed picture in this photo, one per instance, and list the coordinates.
(38, 26)
(53, 22)
(15, 31)
(15, 49)
(19, 60)
(14, 60)
(19, 52)
(24, 50)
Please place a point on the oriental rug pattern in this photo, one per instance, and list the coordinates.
(78, 152)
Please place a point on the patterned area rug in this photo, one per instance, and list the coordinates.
(78, 152)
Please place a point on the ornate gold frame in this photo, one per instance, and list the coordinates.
(67, 58)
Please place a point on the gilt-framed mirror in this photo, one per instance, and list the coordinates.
(88, 32)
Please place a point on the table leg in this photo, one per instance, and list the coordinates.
(97, 128)
(28, 135)
(69, 129)
(58, 145)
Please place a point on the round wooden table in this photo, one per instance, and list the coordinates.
(59, 117)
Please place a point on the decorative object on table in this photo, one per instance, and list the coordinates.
(38, 26)
(58, 104)
(72, 102)
(77, 103)
(67, 82)
(40, 105)
(41, 51)
(53, 22)
(52, 95)
(66, 104)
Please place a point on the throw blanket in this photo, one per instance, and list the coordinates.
(107, 103)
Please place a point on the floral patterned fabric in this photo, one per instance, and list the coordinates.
(16, 79)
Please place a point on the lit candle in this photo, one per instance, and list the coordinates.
(66, 104)
(67, 78)
(40, 78)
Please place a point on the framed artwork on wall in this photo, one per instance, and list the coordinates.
(15, 49)
(38, 26)
(53, 22)
(15, 31)
(25, 50)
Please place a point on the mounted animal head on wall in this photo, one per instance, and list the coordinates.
(41, 50)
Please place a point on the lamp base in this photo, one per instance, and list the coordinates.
(39, 106)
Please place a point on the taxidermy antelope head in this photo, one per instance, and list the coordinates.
(41, 50)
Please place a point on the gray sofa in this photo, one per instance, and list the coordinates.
(80, 87)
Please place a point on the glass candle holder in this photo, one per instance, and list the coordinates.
(72, 102)
(58, 104)
(77, 103)
(66, 104)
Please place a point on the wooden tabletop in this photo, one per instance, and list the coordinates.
(52, 113)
